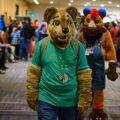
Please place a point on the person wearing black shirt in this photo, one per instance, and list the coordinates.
(27, 32)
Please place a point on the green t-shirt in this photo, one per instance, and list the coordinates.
(51, 89)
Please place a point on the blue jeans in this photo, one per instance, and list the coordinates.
(25, 43)
(49, 112)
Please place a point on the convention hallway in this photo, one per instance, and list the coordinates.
(12, 95)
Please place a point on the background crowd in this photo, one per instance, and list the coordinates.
(114, 28)
(18, 39)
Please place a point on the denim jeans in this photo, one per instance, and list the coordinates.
(49, 112)
(25, 43)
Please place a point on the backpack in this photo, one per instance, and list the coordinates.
(74, 43)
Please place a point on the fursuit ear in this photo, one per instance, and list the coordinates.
(72, 11)
(102, 12)
(86, 11)
(48, 13)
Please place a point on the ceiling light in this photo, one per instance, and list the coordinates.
(51, 2)
(118, 6)
(71, 1)
(109, 2)
(85, 4)
(102, 5)
(93, 0)
(88, 3)
(36, 2)
(69, 4)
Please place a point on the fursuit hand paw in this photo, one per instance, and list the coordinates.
(98, 115)
(32, 104)
(111, 71)
(32, 99)
(82, 107)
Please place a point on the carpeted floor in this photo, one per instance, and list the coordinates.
(12, 95)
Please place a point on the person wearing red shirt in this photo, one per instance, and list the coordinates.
(113, 31)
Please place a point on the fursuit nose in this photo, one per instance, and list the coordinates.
(65, 30)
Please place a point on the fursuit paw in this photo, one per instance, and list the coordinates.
(32, 104)
(32, 99)
(111, 71)
(82, 107)
(98, 115)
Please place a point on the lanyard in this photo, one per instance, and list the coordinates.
(61, 60)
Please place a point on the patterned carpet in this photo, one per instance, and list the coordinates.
(12, 95)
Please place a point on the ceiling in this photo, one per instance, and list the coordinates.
(81, 3)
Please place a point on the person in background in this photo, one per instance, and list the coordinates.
(15, 35)
(76, 30)
(113, 31)
(2, 46)
(34, 23)
(37, 32)
(2, 56)
(10, 28)
(7, 49)
(118, 44)
(32, 42)
(107, 25)
(27, 32)
(43, 31)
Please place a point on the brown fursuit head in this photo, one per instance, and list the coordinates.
(93, 29)
(61, 24)
(93, 23)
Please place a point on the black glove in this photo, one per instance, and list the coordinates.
(111, 71)
(98, 114)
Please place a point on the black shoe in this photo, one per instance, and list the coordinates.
(2, 71)
(26, 59)
(16, 57)
(4, 67)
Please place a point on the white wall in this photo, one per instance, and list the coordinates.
(38, 10)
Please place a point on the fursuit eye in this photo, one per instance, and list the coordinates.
(56, 23)
(96, 21)
(69, 22)
(88, 20)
